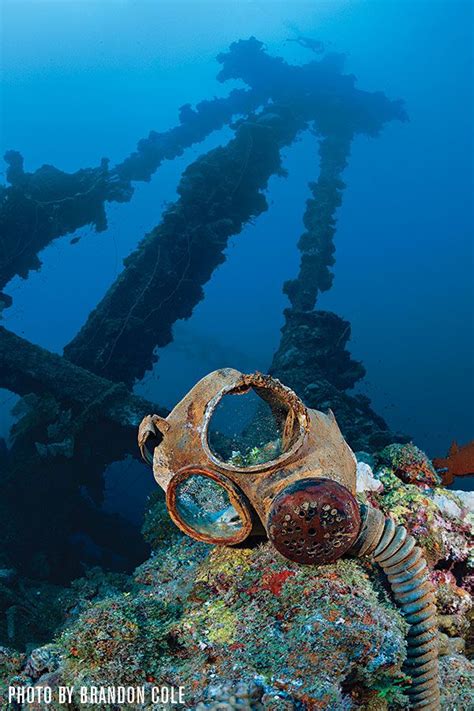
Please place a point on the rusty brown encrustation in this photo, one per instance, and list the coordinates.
(313, 451)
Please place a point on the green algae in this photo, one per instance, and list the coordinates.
(256, 455)
(215, 617)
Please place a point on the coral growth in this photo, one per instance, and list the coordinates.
(410, 464)
(444, 533)
(34, 610)
(201, 617)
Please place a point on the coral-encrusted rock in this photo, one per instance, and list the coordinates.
(450, 598)
(41, 661)
(366, 480)
(457, 688)
(289, 636)
(246, 629)
(445, 534)
(453, 625)
(237, 695)
(410, 464)
(11, 663)
(304, 630)
(450, 645)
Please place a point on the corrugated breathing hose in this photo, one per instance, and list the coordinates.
(395, 550)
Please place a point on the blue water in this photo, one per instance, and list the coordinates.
(82, 80)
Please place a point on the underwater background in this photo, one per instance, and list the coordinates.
(83, 80)
(390, 348)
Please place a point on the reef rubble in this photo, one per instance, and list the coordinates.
(244, 628)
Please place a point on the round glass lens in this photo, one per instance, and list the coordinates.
(204, 505)
(243, 430)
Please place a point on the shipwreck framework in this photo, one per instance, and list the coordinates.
(79, 411)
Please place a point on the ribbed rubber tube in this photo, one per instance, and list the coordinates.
(402, 561)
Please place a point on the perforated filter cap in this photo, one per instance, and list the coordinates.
(314, 521)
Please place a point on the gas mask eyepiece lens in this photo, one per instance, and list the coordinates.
(246, 427)
(208, 507)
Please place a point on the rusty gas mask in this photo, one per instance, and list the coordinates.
(303, 498)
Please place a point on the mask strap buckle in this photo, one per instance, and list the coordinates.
(149, 437)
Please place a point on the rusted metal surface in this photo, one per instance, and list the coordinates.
(314, 521)
(313, 446)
